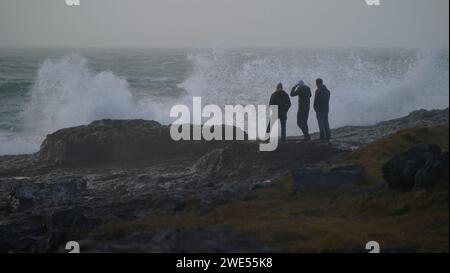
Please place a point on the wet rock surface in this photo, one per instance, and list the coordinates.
(65, 191)
(353, 137)
(110, 171)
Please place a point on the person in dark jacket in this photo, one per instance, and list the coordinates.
(281, 99)
(304, 97)
(321, 106)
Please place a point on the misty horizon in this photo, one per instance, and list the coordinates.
(224, 24)
(199, 48)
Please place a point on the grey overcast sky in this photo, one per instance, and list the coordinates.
(225, 23)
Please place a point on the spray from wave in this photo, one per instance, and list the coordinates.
(67, 93)
(367, 87)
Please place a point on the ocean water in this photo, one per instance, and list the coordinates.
(42, 91)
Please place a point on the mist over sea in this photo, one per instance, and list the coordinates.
(45, 90)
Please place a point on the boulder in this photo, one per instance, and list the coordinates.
(433, 172)
(119, 141)
(421, 166)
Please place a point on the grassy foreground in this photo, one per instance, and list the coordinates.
(341, 219)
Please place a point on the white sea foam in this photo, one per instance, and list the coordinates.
(67, 93)
(365, 88)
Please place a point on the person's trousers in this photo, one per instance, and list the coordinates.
(324, 126)
(302, 122)
(283, 121)
(283, 129)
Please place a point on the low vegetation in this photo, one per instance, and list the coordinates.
(374, 155)
(340, 219)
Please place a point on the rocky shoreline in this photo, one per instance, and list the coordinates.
(113, 170)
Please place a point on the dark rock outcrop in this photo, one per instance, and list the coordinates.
(422, 167)
(120, 170)
(238, 162)
(104, 140)
(123, 141)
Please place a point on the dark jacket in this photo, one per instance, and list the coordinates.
(322, 100)
(281, 98)
(304, 96)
